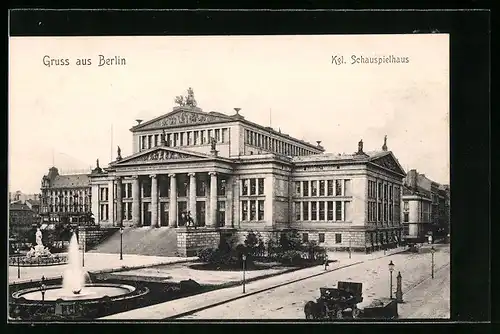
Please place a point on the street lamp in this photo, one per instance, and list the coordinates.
(432, 261)
(391, 269)
(18, 264)
(244, 258)
(43, 288)
(121, 242)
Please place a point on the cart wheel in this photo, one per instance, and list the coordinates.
(339, 314)
(355, 313)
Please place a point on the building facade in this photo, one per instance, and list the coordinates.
(230, 174)
(21, 219)
(65, 198)
(425, 207)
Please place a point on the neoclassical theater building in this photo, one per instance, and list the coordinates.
(230, 174)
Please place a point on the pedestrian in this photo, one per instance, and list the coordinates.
(326, 262)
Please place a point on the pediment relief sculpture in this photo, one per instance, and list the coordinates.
(184, 118)
(161, 155)
(389, 163)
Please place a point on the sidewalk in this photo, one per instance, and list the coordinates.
(428, 300)
(94, 262)
(180, 307)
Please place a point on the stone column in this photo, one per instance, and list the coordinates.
(136, 201)
(213, 200)
(119, 203)
(172, 206)
(229, 202)
(154, 201)
(111, 201)
(192, 195)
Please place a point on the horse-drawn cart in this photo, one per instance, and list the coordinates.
(334, 303)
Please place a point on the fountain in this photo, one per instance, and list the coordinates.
(76, 290)
(39, 255)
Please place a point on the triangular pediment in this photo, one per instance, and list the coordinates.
(160, 154)
(388, 161)
(183, 116)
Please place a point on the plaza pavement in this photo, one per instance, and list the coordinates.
(287, 301)
(94, 262)
(430, 299)
(184, 306)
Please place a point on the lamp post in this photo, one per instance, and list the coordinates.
(43, 288)
(121, 242)
(350, 237)
(432, 261)
(391, 269)
(18, 265)
(244, 258)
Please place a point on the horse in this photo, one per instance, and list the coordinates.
(312, 310)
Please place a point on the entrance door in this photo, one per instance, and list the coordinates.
(181, 209)
(164, 214)
(147, 214)
(200, 213)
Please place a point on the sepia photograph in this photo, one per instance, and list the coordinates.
(256, 177)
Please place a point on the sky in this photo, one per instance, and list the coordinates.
(71, 115)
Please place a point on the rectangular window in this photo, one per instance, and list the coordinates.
(314, 188)
(201, 188)
(314, 212)
(209, 135)
(305, 210)
(379, 212)
(330, 188)
(385, 192)
(244, 187)
(406, 217)
(297, 188)
(169, 139)
(305, 237)
(129, 190)
(305, 188)
(253, 190)
(202, 137)
(221, 187)
(406, 206)
(390, 214)
(146, 188)
(297, 211)
(390, 193)
(261, 186)
(253, 210)
(261, 210)
(322, 187)
(338, 188)
(330, 210)
(385, 212)
(338, 238)
(321, 210)
(321, 238)
(129, 211)
(150, 141)
(338, 210)
(223, 135)
(380, 191)
(156, 141)
(244, 210)
(217, 135)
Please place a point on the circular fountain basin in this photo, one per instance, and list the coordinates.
(89, 292)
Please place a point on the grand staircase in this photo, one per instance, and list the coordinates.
(141, 241)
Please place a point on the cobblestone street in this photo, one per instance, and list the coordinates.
(287, 302)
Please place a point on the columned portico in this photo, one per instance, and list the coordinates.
(192, 195)
(136, 201)
(172, 216)
(154, 201)
(213, 199)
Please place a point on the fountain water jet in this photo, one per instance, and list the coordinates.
(74, 276)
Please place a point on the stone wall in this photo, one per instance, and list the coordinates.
(191, 241)
(94, 235)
